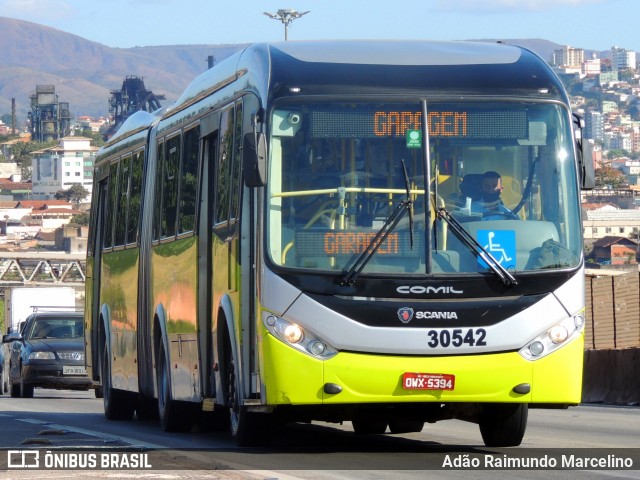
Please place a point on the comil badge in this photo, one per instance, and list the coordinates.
(405, 314)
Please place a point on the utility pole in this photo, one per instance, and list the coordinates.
(286, 16)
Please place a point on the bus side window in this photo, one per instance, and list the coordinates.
(224, 159)
(170, 187)
(157, 195)
(121, 202)
(113, 189)
(189, 180)
(134, 197)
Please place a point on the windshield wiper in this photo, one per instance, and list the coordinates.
(389, 225)
(504, 275)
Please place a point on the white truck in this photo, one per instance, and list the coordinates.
(19, 302)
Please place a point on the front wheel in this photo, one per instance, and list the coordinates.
(503, 424)
(369, 426)
(26, 389)
(248, 429)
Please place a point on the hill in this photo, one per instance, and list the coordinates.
(84, 72)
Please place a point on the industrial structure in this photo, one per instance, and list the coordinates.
(132, 97)
(49, 118)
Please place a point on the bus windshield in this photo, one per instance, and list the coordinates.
(504, 172)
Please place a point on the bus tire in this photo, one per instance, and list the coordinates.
(503, 425)
(173, 418)
(405, 426)
(248, 429)
(369, 426)
(117, 404)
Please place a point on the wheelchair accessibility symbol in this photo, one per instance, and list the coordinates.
(501, 244)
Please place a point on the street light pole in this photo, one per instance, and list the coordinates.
(286, 16)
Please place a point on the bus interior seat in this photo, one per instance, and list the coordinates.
(470, 187)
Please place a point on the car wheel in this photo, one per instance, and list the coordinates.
(3, 376)
(26, 389)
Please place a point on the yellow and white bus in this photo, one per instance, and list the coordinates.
(304, 236)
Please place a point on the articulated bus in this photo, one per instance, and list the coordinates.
(301, 237)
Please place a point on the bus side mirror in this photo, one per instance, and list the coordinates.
(585, 155)
(587, 172)
(254, 159)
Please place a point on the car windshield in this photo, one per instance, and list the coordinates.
(503, 171)
(56, 328)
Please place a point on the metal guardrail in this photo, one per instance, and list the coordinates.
(42, 269)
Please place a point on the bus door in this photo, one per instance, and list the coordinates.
(208, 146)
(93, 354)
(225, 228)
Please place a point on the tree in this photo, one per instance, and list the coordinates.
(609, 176)
(75, 194)
(80, 219)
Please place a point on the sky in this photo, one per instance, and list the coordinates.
(587, 24)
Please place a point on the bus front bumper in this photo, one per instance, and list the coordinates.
(293, 378)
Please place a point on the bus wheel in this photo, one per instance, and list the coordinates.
(369, 426)
(405, 426)
(503, 425)
(172, 417)
(247, 429)
(117, 406)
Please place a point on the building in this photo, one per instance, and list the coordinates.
(615, 251)
(622, 59)
(58, 168)
(594, 122)
(568, 57)
(611, 221)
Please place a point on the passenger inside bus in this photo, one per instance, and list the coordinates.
(489, 203)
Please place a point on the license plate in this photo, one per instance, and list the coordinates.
(73, 370)
(428, 381)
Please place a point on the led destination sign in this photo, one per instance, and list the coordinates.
(487, 124)
(337, 243)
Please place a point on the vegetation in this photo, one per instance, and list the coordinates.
(609, 176)
(75, 194)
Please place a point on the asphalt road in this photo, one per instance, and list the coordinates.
(56, 421)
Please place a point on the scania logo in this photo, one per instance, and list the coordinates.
(405, 314)
(418, 290)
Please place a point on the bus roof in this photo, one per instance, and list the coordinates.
(379, 67)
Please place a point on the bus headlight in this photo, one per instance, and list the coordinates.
(553, 338)
(299, 338)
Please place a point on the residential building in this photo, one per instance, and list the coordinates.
(611, 221)
(568, 57)
(615, 250)
(58, 168)
(622, 59)
(594, 122)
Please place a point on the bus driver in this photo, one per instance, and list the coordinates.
(490, 205)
